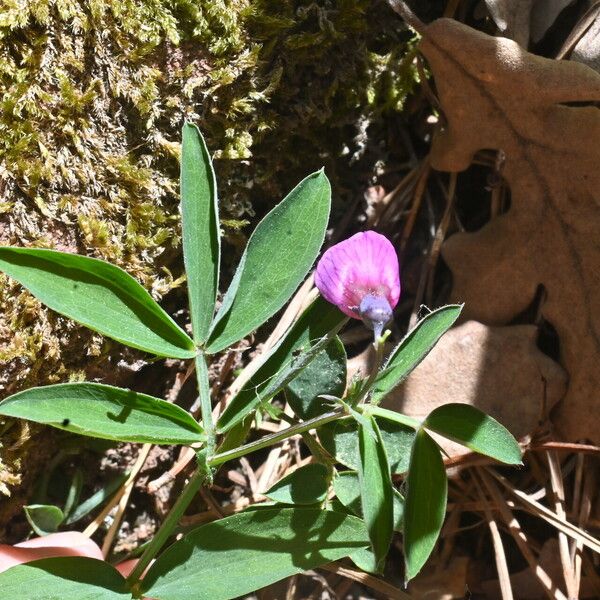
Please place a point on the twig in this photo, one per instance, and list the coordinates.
(185, 456)
(425, 168)
(558, 490)
(373, 582)
(125, 489)
(541, 511)
(565, 447)
(440, 235)
(230, 509)
(383, 205)
(124, 499)
(499, 553)
(400, 7)
(520, 538)
(585, 508)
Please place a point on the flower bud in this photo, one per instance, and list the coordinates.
(361, 277)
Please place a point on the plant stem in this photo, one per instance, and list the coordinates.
(205, 403)
(195, 483)
(379, 345)
(391, 415)
(274, 438)
(164, 531)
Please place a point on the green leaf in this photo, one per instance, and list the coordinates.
(325, 375)
(364, 559)
(74, 492)
(477, 431)
(306, 485)
(95, 500)
(98, 295)
(346, 486)
(288, 373)
(243, 553)
(44, 518)
(319, 319)
(104, 411)
(279, 254)
(425, 505)
(415, 346)
(200, 227)
(340, 439)
(236, 435)
(64, 578)
(375, 490)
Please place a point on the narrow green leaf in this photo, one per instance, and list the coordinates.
(319, 319)
(106, 412)
(425, 505)
(236, 435)
(376, 496)
(415, 346)
(288, 373)
(243, 553)
(325, 375)
(64, 578)
(340, 439)
(365, 560)
(474, 429)
(200, 227)
(74, 492)
(44, 518)
(306, 485)
(98, 295)
(279, 254)
(96, 499)
(346, 486)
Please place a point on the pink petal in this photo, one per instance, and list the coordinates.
(365, 263)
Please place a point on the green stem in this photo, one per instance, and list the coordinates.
(205, 403)
(379, 345)
(195, 483)
(274, 438)
(165, 530)
(391, 415)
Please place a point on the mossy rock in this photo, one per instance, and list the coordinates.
(94, 94)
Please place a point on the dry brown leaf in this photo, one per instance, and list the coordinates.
(447, 583)
(587, 49)
(521, 20)
(496, 95)
(512, 17)
(475, 364)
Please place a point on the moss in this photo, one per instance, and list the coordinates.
(92, 97)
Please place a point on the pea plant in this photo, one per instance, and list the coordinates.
(344, 502)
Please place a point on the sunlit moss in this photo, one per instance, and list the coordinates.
(92, 97)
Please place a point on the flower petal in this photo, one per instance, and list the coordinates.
(365, 263)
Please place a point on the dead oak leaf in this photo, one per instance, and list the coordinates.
(475, 364)
(496, 95)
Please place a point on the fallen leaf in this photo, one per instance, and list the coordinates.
(522, 20)
(587, 49)
(512, 17)
(499, 370)
(448, 583)
(496, 95)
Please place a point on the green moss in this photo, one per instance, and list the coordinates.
(92, 97)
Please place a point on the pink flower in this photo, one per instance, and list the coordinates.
(361, 277)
